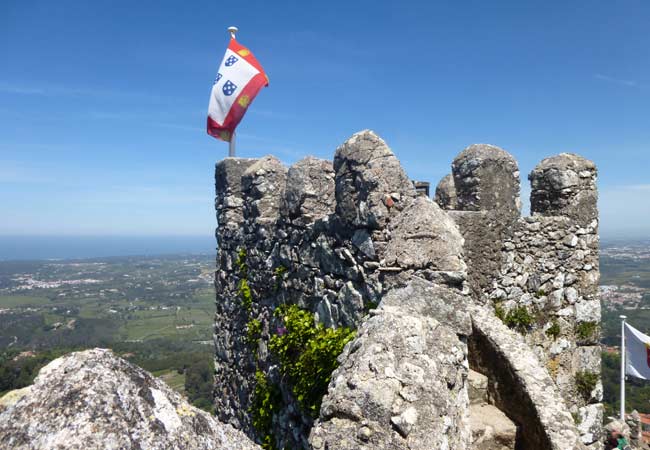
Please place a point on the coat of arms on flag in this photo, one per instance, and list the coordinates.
(239, 79)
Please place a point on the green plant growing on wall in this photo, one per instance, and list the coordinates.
(241, 264)
(370, 305)
(307, 354)
(244, 292)
(253, 332)
(585, 383)
(553, 330)
(586, 330)
(267, 401)
(278, 275)
(519, 318)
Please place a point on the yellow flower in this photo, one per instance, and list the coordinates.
(184, 410)
(244, 101)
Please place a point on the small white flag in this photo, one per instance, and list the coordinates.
(637, 353)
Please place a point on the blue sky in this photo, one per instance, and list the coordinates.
(103, 103)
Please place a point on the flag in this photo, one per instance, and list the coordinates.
(637, 353)
(239, 79)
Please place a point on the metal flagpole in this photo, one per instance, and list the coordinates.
(623, 367)
(231, 146)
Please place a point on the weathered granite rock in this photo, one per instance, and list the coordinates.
(590, 423)
(487, 178)
(400, 385)
(370, 182)
(486, 182)
(446, 193)
(424, 236)
(565, 185)
(229, 205)
(477, 388)
(422, 298)
(310, 191)
(95, 400)
(491, 429)
(263, 185)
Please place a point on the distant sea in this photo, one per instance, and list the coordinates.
(81, 247)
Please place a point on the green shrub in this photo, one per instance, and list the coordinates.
(307, 354)
(586, 330)
(370, 305)
(518, 318)
(585, 383)
(280, 271)
(241, 263)
(267, 401)
(244, 292)
(253, 332)
(553, 330)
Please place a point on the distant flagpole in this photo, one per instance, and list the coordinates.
(623, 367)
(231, 144)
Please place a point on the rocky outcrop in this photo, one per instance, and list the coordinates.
(423, 236)
(95, 400)
(402, 382)
(445, 194)
(370, 181)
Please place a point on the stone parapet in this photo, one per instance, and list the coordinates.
(353, 244)
(539, 273)
(565, 185)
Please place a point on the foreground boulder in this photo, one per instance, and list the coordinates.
(95, 400)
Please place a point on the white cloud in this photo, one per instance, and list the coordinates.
(619, 81)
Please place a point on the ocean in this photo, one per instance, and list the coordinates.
(80, 247)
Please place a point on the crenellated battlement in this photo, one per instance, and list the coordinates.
(424, 284)
(541, 269)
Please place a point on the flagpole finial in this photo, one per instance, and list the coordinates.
(622, 317)
(232, 31)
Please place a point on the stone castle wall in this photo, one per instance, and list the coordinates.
(546, 263)
(351, 242)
